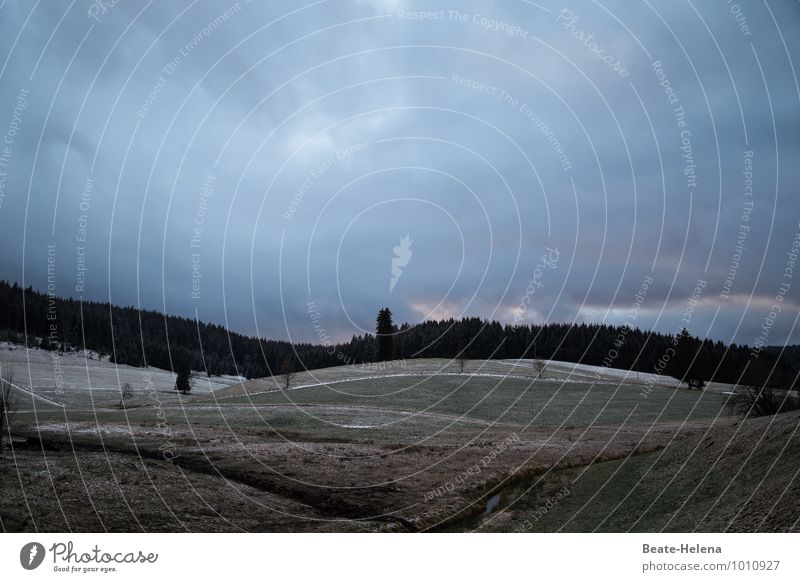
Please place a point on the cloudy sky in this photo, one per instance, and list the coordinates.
(238, 161)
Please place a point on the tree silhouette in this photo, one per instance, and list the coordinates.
(688, 363)
(287, 371)
(183, 383)
(183, 368)
(125, 394)
(384, 331)
(681, 356)
(139, 338)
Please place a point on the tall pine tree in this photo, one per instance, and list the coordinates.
(384, 331)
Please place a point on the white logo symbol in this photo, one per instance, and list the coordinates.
(31, 555)
(402, 255)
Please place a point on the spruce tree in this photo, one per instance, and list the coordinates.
(679, 362)
(183, 369)
(384, 331)
(183, 383)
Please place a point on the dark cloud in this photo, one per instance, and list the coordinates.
(330, 131)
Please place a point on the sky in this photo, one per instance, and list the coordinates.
(254, 163)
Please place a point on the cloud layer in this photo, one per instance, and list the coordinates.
(234, 162)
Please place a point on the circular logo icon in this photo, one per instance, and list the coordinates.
(31, 555)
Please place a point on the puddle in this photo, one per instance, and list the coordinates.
(492, 503)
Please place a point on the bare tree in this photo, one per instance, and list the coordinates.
(753, 397)
(287, 370)
(540, 366)
(125, 394)
(8, 407)
(462, 361)
(754, 401)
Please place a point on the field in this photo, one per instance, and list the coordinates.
(417, 445)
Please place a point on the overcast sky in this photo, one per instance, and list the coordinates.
(238, 161)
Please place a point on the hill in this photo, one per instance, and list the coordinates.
(736, 477)
(142, 338)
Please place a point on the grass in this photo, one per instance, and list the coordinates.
(355, 430)
(508, 400)
(401, 410)
(736, 477)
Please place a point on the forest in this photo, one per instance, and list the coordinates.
(148, 338)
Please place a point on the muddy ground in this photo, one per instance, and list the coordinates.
(120, 479)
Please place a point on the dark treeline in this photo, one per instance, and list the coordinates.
(681, 356)
(140, 337)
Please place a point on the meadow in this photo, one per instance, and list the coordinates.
(417, 445)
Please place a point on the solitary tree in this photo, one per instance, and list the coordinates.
(183, 383)
(687, 363)
(753, 401)
(8, 406)
(384, 331)
(540, 366)
(182, 362)
(287, 371)
(678, 364)
(125, 394)
(754, 397)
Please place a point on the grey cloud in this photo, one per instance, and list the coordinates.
(543, 89)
